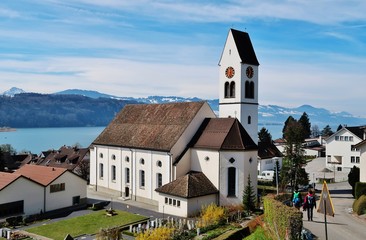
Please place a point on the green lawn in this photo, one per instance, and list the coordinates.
(87, 224)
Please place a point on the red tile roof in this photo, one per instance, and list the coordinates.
(7, 178)
(41, 174)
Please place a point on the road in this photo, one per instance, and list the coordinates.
(344, 224)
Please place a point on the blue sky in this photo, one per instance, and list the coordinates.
(311, 52)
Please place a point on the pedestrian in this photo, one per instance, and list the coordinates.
(309, 204)
(296, 199)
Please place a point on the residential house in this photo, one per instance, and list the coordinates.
(74, 159)
(37, 189)
(341, 153)
(362, 147)
(179, 156)
(268, 155)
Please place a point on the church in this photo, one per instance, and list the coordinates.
(181, 156)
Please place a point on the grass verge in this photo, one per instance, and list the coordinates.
(87, 224)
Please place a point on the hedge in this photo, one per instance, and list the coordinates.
(360, 189)
(281, 219)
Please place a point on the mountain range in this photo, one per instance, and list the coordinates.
(81, 106)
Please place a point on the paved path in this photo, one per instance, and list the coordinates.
(345, 224)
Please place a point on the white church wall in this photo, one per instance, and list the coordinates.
(206, 161)
(243, 168)
(184, 165)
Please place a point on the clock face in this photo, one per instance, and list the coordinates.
(229, 72)
(250, 72)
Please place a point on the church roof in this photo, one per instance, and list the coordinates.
(223, 134)
(245, 47)
(149, 126)
(193, 184)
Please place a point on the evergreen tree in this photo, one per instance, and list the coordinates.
(264, 135)
(277, 165)
(306, 125)
(288, 120)
(353, 178)
(249, 196)
(339, 127)
(327, 131)
(293, 161)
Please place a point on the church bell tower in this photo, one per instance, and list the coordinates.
(238, 97)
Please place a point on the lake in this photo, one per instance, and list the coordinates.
(37, 140)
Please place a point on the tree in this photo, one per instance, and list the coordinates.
(249, 196)
(264, 135)
(327, 131)
(339, 127)
(315, 132)
(288, 120)
(2, 161)
(82, 169)
(274, 181)
(306, 125)
(353, 178)
(293, 160)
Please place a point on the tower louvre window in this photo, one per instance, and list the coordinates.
(227, 90)
(232, 89)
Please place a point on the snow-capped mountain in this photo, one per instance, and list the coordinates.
(12, 91)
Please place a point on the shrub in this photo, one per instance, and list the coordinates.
(360, 189)
(359, 205)
(211, 215)
(161, 233)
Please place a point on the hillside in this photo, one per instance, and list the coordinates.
(32, 110)
(77, 108)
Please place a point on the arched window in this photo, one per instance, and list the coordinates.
(127, 171)
(232, 89)
(159, 180)
(251, 89)
(113, 173)
(247, 90)
(101, 170)
(227, 90)
(142, 178)
(231, 183)
(127, 159)
(113, 157)
(142, 161)
(101, 155)
(159, 163)
(249, 119)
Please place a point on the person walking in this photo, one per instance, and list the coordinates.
(296, 199)
(309, 204)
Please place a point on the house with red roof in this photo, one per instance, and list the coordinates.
(36, 189)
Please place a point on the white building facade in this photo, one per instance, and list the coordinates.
(341, 153)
